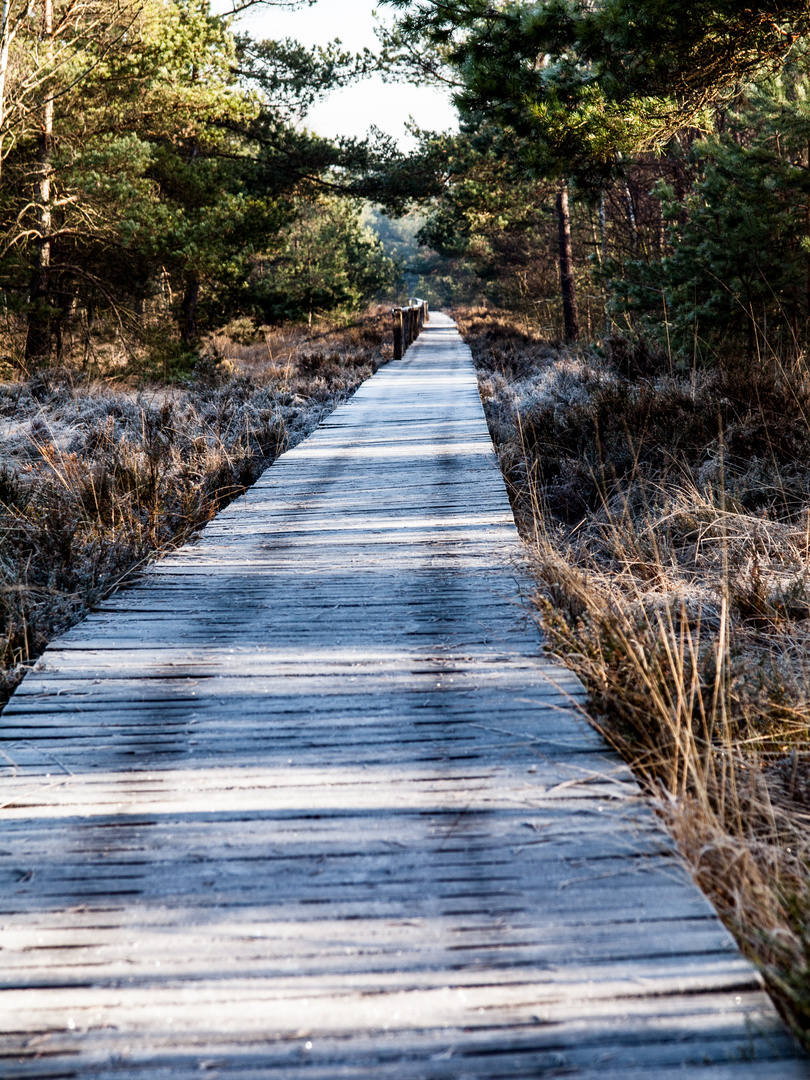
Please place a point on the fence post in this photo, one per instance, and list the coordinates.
(408, 322)
(397, 314)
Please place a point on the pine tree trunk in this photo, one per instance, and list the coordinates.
(603, 260)
(5, 43)
(188, 326)
(38, 337)
(631, 217)
(568, 289)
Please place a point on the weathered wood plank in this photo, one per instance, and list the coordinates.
(308, 800)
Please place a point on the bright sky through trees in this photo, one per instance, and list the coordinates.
(351, 111)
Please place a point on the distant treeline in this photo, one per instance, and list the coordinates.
(157, 182)
(653, 157)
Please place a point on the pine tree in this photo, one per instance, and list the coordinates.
(737, 271)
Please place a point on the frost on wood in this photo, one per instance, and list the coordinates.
(94, 480)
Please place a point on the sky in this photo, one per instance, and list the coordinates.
(354, 109)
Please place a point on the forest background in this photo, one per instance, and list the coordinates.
(190, 279)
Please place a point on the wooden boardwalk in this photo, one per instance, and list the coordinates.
(307, 803)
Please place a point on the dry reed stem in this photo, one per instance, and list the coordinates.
(673, 579)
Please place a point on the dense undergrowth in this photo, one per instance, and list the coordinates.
(95, 478)
(668, 516)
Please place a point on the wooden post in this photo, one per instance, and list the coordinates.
(408, 323)
(426, 311)
(397, 314)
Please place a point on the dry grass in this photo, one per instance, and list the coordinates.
(668, 518)
(98, 477)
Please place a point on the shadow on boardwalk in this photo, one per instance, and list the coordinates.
(307, 801)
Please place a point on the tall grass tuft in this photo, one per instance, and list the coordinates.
(666, 514)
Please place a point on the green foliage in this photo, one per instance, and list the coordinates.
(491, 235)
(493, 221)
(294, 77)
(325, 260)
(709, 240)
(175, 167)
(398, 236)
(738, 263)
(585, 83)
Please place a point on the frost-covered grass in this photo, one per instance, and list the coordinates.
(96, 478)
(668, 513)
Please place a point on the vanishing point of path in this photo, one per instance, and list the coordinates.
(307, 802)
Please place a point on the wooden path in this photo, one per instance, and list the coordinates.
(307, 803)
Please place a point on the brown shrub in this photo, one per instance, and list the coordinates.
(670, 537)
